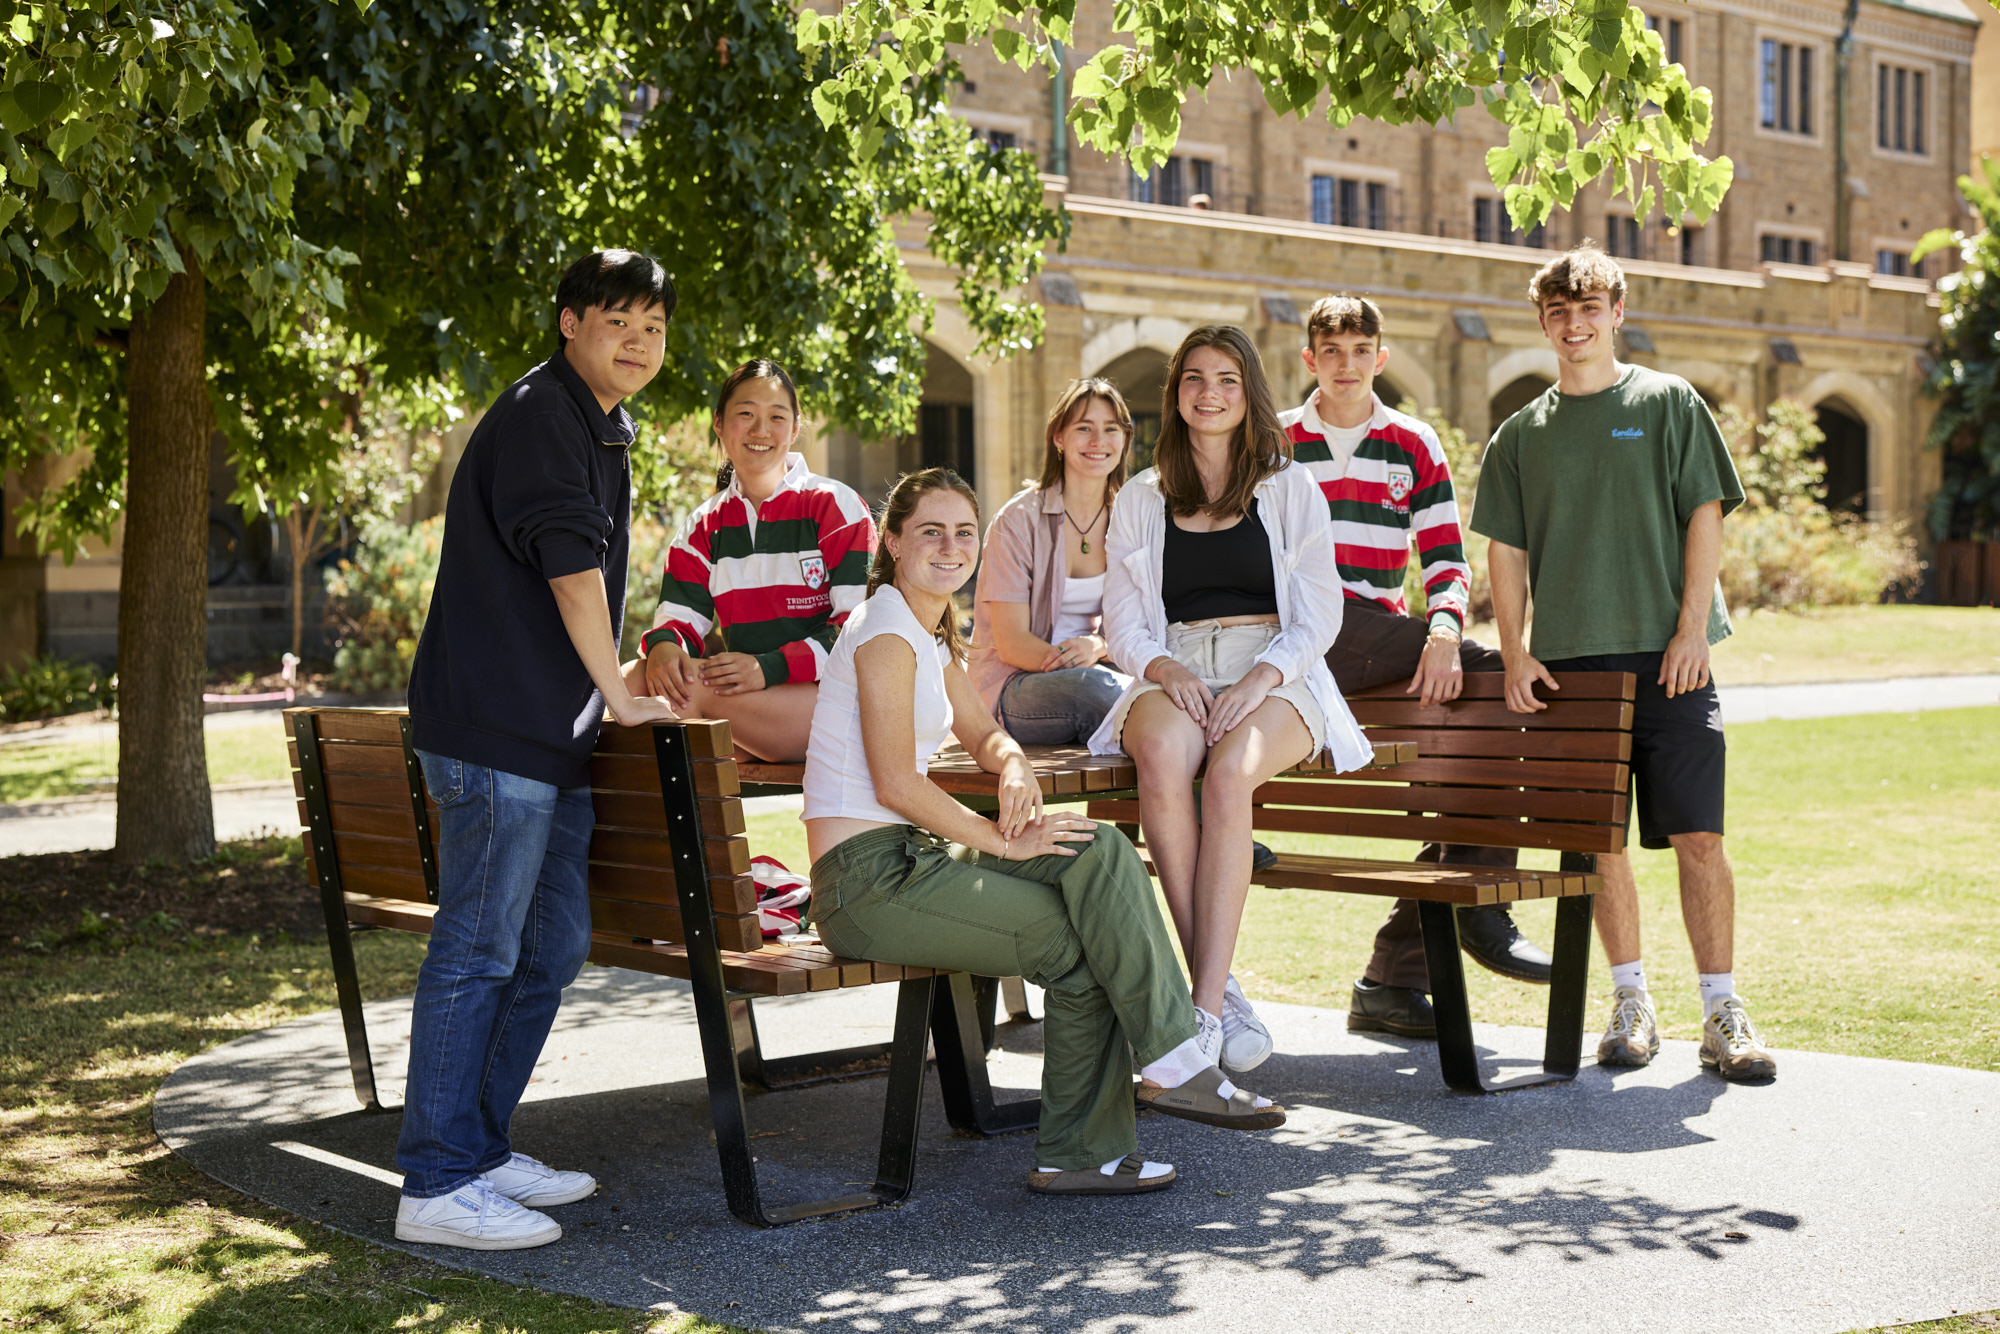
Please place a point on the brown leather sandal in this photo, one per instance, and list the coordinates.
(1197, 1100)
(1089, 1181)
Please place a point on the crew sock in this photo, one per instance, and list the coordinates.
(1631, 974)
(1715, 989)
(1183, 1063)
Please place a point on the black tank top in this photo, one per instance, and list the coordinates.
(1206, 576)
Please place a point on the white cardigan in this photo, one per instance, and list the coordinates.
(1310, 598)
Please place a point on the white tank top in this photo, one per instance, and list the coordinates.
(837, 782)
(1082, 604)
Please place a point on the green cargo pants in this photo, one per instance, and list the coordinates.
(1085, 928)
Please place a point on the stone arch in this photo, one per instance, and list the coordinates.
(1508, 367)
(1141, 376)
(1858, 399)
(1514, 395)
(1156, 332)
(1410, 376)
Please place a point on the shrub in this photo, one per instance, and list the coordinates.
(45, 687)
(377, 601)
(643, 569)
(1784, 548)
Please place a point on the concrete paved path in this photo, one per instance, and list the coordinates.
(1848, 1194)
(1833, 699)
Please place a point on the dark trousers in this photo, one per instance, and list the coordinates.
(1376, 647)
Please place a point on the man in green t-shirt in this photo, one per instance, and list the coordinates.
(1604, 501)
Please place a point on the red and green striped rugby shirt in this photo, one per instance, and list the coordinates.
(780, 582)
(1397, 484)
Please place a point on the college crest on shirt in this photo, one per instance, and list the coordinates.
(1401, 482)
(814, 570)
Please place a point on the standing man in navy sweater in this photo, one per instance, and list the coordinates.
(517, 664)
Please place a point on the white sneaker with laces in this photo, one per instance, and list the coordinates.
(525, 1180)
(1246, 1043)
(475, 1217)
(1633, 1036)
(1208, 1036)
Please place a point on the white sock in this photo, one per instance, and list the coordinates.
(1146, 1173)
(1183, 1063)
(1715, 989)
(1631, 974)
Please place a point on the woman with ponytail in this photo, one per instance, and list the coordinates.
(903, 874)
(775, 561)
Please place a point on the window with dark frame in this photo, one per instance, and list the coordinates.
(1622, 236)
(1775, 249)
(1170, 182)
(1341, 201)
(1785, 93)
(1899, 108)
(1670, 31)
(1896, 264)
(1491, 223)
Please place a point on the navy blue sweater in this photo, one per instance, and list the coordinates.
(544, 490)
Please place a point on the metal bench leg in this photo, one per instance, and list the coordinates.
(1458, 1055)
(1014, 995)
(772, 1074)
(333, 904)
(1570, 975)
(961, 1064)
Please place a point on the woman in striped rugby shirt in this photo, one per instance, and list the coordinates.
(774, 561)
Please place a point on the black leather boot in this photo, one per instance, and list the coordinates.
(1404, 1011)
(1494, 942)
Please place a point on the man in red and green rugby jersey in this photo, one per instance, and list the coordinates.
(1386, 482)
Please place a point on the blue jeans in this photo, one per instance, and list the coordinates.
(1055, 708)
(512, 930)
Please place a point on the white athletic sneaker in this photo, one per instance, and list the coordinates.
(1246, 1043)
(476, 1217)
(1208, 1036)
(537, 1185)
(1633, 1035)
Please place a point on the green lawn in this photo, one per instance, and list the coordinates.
(59, 767)
(1850, 644)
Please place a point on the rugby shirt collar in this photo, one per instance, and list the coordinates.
(1378, 416)
(794, 479)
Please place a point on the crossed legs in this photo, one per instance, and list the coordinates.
(1204, 864)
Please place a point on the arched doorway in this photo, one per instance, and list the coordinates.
(1845, 453)
(1141, 376)
(1391, 393)
(944, 437)
(1515, 395)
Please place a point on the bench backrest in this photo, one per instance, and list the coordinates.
(380, 824)
(1555, 779)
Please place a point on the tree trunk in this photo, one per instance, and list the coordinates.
(163, 801)
(303, 536)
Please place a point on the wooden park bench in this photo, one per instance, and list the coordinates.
(1556, 779)
(668, 863)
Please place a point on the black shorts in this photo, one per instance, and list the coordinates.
(1677, 749)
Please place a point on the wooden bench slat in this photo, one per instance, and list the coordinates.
(735, 895)
(379, 821)
(1476, 743)
(641, 811)
(383, 728)
(365, 790)
(1560, 775)
(371, 880)
(641, 773)
(1560, 715)
(383, 854)
(1593, 807)
(658, 921)
(1560, 835)
(341, 757)
(1493, 685)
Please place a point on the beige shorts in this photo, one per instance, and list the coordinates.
(1222, 655)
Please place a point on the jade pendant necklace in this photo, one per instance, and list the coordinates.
(1083, 530)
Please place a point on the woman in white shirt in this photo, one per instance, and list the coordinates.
(1039, 659)
(1223, 595)
(902, 873)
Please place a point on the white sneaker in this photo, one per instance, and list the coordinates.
(1633, 1035)
(1246, 1043)
(476, 1217)
(1208, 1036)
(526, 1181)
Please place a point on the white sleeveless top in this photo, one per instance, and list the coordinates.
(837, 781)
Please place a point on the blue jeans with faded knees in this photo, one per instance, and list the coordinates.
(1056, 708)
(512, 930)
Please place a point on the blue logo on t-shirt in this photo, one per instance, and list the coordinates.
(1627, 433)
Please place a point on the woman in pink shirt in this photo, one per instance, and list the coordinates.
(1040, 661)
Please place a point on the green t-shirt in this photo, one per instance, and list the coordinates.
(1598, 490)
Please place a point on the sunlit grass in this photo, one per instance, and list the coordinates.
(63, 767)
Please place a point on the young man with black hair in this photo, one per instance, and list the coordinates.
(517, 664)
(1386, 481)
(1608, 493)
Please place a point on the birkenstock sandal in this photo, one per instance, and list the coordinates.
(1197, 1100)
(1089, 1181)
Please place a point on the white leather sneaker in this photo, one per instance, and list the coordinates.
(1246, 1043)
(525, 1180)
(1208, 1035)
(476, 1217)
